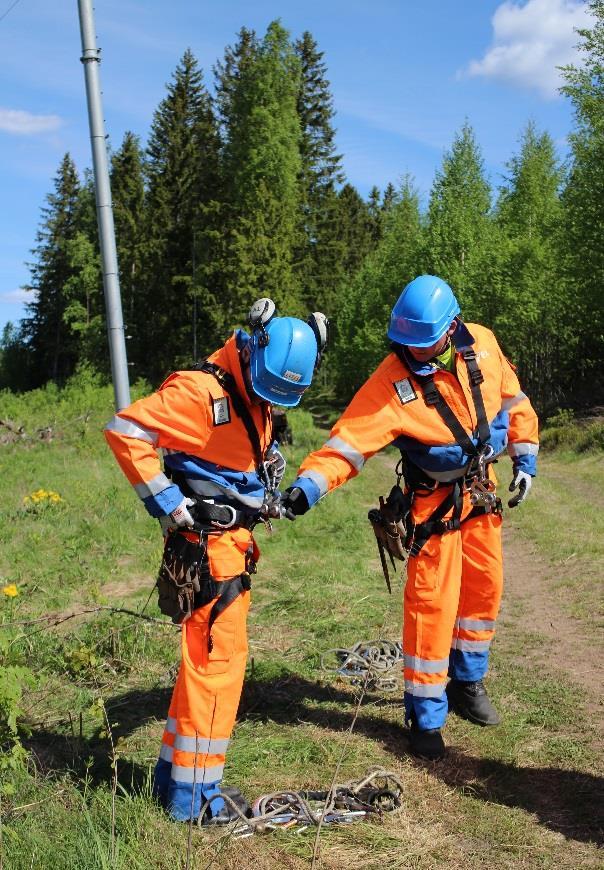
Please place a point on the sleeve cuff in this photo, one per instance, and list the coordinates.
(163, 502)
(526, 463)
(309, 488)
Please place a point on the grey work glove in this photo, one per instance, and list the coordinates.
(522, 482)
(180, 517)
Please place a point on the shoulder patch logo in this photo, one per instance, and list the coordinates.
(405, 391)
(221, 410)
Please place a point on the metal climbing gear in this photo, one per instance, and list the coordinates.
(366, 664)
(481, 487)
(379, 791)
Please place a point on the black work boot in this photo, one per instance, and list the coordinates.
(426, 744)
(228, 814)
(470, 701)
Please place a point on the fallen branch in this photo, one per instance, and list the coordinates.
(53, 619)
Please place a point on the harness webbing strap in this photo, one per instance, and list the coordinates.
(232, 590)
(476, 379)
(435, 524)
(229, 385)
(433, 398)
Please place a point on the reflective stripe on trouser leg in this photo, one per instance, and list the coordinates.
(203, 709)
(430, 607)
(480, 597)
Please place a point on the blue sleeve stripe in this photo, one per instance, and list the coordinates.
(163, 502)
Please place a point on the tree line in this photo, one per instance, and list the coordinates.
(241, 193)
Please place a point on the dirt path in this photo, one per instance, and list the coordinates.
(555, 642)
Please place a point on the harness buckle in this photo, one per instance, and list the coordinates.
(231, 522)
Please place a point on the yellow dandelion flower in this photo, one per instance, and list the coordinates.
(10, 591)
(26, 499)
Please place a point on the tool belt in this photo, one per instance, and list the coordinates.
(184, 581)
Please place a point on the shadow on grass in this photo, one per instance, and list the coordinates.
(568, 802)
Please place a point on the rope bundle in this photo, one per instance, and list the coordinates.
(366, 663)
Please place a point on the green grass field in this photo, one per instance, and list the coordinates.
(526, 794)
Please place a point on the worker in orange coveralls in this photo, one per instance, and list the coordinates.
(450, 401)
(221, 470)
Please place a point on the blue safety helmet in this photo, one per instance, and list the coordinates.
(423, 312)
(282, 362)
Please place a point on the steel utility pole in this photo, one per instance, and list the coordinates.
(91, 58)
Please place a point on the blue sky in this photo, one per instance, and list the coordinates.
(405, 74)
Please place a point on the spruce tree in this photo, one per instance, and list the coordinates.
(317, 251)
(583, 201)
(257, 86)
(53, 349)
(355, 231)
(183, 186)
(128, 194)
(460, 239)
(367, 300)
(530, 320)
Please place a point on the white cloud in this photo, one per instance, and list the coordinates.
(530, 40)
(17, 297)
(17, 121)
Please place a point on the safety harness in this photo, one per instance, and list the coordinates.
(476, 476)
(185, 571)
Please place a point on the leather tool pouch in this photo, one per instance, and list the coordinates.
(184, 581)
(388, 522)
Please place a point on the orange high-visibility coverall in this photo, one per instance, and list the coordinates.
(191, 419)
(454, 585)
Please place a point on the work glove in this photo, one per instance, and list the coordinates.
(179, 517)
(275, 465)
(522, 482)
(294, 503)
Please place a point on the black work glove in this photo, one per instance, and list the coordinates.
(294, 503)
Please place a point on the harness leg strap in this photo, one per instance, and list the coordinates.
(232, 590)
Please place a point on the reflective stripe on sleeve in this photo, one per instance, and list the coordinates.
(422, 690)
(523, 448)
(350, 453)
(426, 666)
(126, 427)
(171, 725)
(507, 404)
(197, 774)
(152, 487)
(476, 624)
(471, 645)
(318, 479)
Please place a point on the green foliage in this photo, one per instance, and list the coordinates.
(563, 431)
(52, 352)
(317, 256)
(182, 186)
(15, 680)
(531, 318)
(257, 89)
(583, 200)
(367, 301)
(460, 239)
